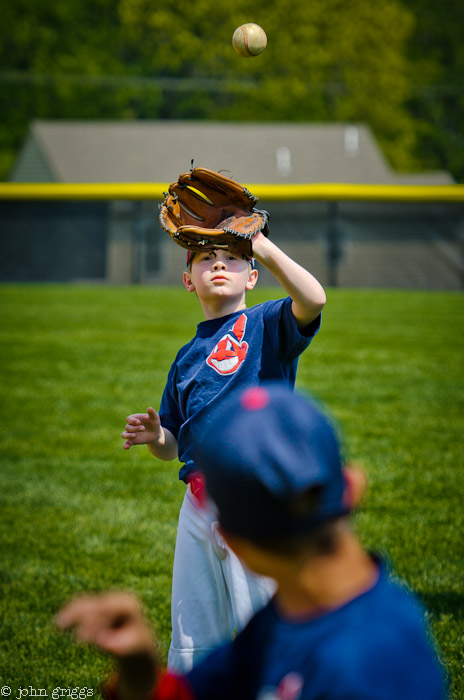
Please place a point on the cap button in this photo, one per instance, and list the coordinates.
(255, 399)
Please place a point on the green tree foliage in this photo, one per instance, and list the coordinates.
(41, 40)
(436, 50)
(327, 60)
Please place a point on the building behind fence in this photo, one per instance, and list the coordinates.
(346, 243)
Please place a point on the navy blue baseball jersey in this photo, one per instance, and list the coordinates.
(375, 647)
(262, 343)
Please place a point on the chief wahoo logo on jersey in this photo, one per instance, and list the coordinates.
(231, 350)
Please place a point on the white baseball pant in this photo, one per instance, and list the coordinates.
(213, 593)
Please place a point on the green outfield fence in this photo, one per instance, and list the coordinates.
(403, 236)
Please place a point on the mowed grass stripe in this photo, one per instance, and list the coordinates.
(80, 513)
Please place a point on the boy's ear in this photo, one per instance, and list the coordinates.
(355, 485)
(187, 280)
(252, 279)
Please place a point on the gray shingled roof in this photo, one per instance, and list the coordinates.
(158, 151)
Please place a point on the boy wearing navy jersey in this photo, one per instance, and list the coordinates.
(338, 626)
(213, 594)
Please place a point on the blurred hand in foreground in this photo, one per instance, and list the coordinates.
(115, 623)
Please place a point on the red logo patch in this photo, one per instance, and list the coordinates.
(231, 350)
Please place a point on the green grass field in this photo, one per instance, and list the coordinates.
(79, 513)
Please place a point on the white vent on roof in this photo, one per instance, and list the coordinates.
(283, 161)
(352, 141)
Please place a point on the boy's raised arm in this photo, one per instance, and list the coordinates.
(306, 292)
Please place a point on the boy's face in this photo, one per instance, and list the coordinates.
(219, 273)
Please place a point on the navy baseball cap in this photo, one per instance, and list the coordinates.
(262, 454)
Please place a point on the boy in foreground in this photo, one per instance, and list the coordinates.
(213, 594)
(337, 627)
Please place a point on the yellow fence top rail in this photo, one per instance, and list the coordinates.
(154, 191)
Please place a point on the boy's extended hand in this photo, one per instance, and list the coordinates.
(142, 429)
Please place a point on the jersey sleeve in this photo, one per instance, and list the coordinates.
(169, 686)
(287, 340)
(169, 412)
(173, 687)
(211, 679)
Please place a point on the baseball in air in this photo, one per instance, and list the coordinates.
(249, 40)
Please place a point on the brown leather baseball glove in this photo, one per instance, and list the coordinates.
(205, 209)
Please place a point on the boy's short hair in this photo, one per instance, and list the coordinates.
(272, 465)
